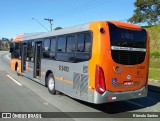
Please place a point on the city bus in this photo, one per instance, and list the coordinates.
(97, 62)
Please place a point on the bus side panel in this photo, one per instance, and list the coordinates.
(29, 69)
(53, 66)
(70, 78)
(76, 79)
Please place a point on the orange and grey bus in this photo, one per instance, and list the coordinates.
(98, 62)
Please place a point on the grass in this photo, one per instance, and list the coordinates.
(154, 69)
(154, 73)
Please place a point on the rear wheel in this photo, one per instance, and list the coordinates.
(51, 84)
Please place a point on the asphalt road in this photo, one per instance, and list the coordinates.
(30, 96)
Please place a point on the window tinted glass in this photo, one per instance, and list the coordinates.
(53, 44)
(65, 57)
(16, 50)
(126, 37)
(84, 42)
(80, 39)
(32, 51)
(46, 44)
(29, 50)
(70, 44)
(88, 43)
(61, 44)
(82, 57)
(17, 46)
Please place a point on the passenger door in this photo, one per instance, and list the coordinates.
(24, 56)
(37, 59)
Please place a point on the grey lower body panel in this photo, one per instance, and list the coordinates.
(118, 96)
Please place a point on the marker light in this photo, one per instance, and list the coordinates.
(112, 98)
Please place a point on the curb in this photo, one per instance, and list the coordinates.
(154, 85)
(154, 81)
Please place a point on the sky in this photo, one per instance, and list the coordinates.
(16, 15)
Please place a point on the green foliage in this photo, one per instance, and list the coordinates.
(154, 73)
(146, 11)
(155, 54)
(4, 44)
(154, 34)
(57, 28)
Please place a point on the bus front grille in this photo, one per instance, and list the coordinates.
(128, 57)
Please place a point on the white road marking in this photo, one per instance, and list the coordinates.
(45, 103)
(135, 103)
(14, 80)
(8, 57)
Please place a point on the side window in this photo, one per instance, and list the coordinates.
(46, 45)
(53, 44)
(84, 42)
(83, 47)
(66, 48)
(52, 54)
(32, 50)
(61, 44)
(16, 50)
(46, 48)
(80, 42)
(88, 43)
(71, 44)
(29, 50)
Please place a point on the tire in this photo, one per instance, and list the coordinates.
(51, 84)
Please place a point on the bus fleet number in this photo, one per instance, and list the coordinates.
(64, 68)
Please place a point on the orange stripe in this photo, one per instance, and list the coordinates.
(91, 89)
(69, 82)
(43, 73)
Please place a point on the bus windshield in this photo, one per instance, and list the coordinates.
(127, 37)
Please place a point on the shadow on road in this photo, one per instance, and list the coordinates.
(154, 88)
(123, 106)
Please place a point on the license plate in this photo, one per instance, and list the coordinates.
(127, 83)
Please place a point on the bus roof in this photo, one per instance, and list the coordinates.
(18, 38)
(79, 28)
(21, 37)
(74, 29)
(126, 25)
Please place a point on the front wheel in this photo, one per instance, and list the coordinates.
(51, 84)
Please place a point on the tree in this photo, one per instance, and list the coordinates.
(11, 40)
(57, 28)
(154, 37)
(146, 11)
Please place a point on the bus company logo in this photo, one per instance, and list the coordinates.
(114, 81)
(117, 69)
(6, 115)
(128, 77)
